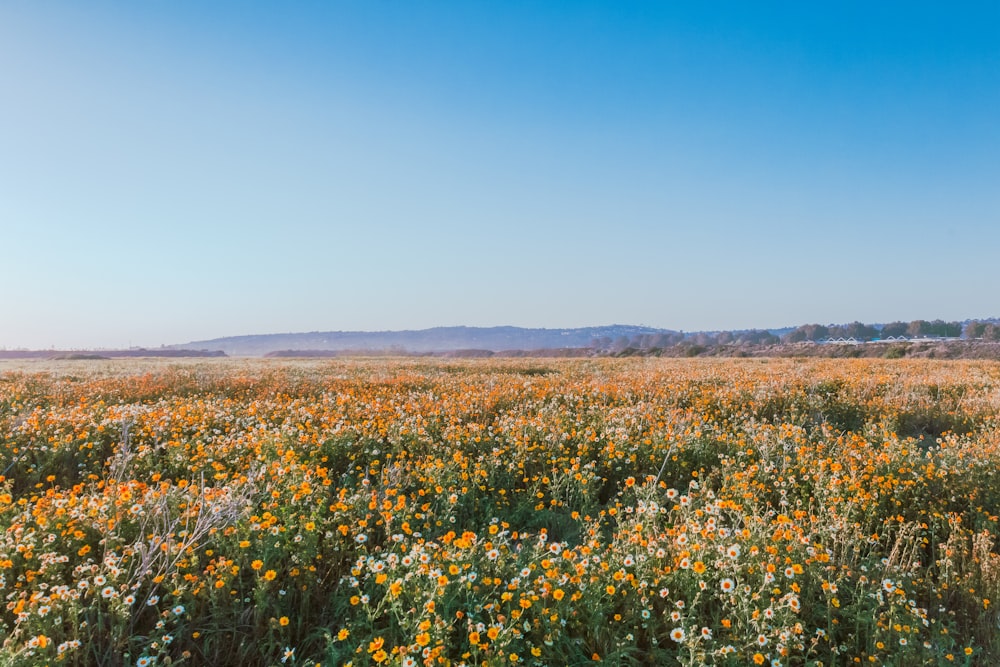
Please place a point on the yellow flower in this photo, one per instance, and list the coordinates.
(257, 564)
(270, 575)
(283, 621)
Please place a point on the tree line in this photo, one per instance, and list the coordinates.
(868, 332)
(702, 339)
(982, 330)
(973, 330)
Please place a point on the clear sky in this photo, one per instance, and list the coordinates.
(176, 171)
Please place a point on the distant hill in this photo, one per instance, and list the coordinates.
(438, 339)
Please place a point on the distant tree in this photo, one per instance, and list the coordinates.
(859, 331)
(946, 329)
(796, 335)
(991, 332)
(666, 340)
(975, 329)
(621, 343)
(935, 328)
(806, 332)
(757, 337)
(703, 339)
(601, 343)
(816, 331)
(895, 329)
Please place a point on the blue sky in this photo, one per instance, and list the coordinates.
(175, 171)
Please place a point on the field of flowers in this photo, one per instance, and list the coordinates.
(544, 512)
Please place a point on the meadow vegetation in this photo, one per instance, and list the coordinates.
(487, 512)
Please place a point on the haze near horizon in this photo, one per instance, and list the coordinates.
(172, 172)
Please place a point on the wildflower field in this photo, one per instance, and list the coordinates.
(497, 512)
